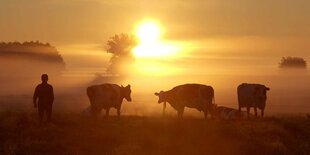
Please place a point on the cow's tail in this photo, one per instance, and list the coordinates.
(213, 98)
(90, 96)
(93, 109)
(211, 108)
(88, 93)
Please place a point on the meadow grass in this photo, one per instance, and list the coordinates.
(74, 134)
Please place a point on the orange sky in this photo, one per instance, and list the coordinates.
(219, 32)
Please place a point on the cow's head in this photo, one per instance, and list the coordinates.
(126, 91)
(161, 97)
(260, 93)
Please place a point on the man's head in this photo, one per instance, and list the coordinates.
(44, 78)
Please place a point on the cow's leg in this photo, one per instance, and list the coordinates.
(107, 112)
(180, 112)
(164, 108)
(248, 111)
(262, 113)
(206, 113)
(255, 111)
(118, 111)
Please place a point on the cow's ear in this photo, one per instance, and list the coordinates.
(157, 94)
(128, 86)
(267, 88)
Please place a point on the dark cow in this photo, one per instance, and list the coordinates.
(105, 96)
(252, 95)
(226, 113)
(188, 95)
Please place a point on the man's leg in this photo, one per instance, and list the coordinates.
(41, 112)
(49, 113)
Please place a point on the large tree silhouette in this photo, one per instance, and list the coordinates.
(121, 46)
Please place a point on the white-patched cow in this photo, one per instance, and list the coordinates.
(226, 113)
(188, 95)
(106, 96)
(252, 95)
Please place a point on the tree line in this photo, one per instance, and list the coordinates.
(26, 43)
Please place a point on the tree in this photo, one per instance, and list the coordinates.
(120, 46)
(292, 62)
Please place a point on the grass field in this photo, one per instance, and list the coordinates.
(142, 130)
(73, 134)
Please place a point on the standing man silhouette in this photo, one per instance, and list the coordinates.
(44, 92)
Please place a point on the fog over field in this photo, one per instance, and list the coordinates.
(219, 43)
(289, 92)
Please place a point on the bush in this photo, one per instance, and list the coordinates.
(292, 62)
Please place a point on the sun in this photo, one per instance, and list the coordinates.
(151, 44)
(148, 32)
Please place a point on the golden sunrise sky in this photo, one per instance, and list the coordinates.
(215, 33)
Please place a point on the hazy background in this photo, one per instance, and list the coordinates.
(223, 43)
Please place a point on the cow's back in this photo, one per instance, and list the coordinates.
(246, 94)
(104, 95)
(194, 95)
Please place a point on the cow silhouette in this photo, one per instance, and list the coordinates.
(196, 96)
(252, 95)
(106, 96)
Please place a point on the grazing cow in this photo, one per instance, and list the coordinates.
(226, 113)
(105, 96)
(188, 95)
(252, 95)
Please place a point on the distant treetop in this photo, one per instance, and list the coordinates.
(292, 62)
(120, 46)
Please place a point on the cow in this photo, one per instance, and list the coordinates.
(106, 96)
(226, 113)
(252, 95)
(188, 95)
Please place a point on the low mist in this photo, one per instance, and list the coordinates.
(22, 67)
(288, 94)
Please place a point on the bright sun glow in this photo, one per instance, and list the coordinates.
(148, 33)
(150, 44)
